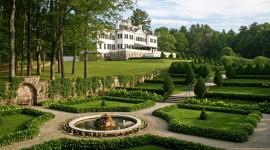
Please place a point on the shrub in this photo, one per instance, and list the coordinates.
(246, 97)
(103, 103)
(230, 72)
(200, 88)
(203, 115)
(190, 76)
(218, 78)
(157, 91)
(162, 55)
(206, 70)
(168, 85)
(171, 55)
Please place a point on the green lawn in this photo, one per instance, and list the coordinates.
(219, 120)
(98, 104)
(232, 100)
(148, 147)
(13, 123)
(246, 81)
(162, 77)
(178, 87)
(106, 68)
(240, 90)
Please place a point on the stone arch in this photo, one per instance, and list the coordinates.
(27, 94)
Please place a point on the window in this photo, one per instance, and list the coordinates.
(155, 41)
(151, 40)
(113, 37)
(109, 46)
(130, 46)
(126, 36)
(100, 45)
(119, 36)
(104, 46)
(131, 37)
(126, 45)
(113, 47)
(119, 46)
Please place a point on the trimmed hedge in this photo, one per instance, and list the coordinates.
(245, 84)
(9, 110)
(162, 81)
(251, 77)
(67, 106)
(144, 95)
(32, 127)
(157, 91)
(246, 97)
(239, 134)
(121, 143)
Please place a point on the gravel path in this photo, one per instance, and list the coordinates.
(50, 130)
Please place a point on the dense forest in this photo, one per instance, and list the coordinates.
(202, 40)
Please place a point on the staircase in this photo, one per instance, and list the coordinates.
(175, 99)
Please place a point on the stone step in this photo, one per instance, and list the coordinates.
(175, 99)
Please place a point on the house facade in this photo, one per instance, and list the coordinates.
(127, 41)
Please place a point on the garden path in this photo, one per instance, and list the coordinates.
(50, 130)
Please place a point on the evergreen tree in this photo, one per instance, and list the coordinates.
(230, 72)
(203, 115)
(200, 88)
(168, 85)
(162, 55)
(190, 76)
(206, 70)
(218, 78)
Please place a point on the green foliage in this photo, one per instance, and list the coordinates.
(54, 88)
(107, 81)
(247, 97)
(32, 128)
(13, 87)
(162, 55)
(124, 80)
(206, 70)
(96, 83)
(261, 60)
(227, 51)
(82, 86)
(200, 88)
(121, 143)
(239, 134)
(103, 103)
(203, 115)
(235, 61)
(9, 110)
(190, 76)
(141, 17)
(144, 95)
(3, 90)
(168, 85)
(67, 105)
(218, 78)
(152, 90)
(61, 87)
(171, 56)
(230, 72)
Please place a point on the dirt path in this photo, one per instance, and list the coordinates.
(50, 130)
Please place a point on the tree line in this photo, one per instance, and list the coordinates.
(201, 40)
(32, 29)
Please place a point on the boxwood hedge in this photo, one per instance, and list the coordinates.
(32, 127)
(157, 91)
(247, 97)
(239, 134)
(121, 143)
(67, 106)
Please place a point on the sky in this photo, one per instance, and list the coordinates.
(219, 14)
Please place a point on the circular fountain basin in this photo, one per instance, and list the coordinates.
(125, 124)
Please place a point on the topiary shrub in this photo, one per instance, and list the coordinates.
(206, 70)
(218, 78)
(203, 115)
(200, 88)
(162, 55)
(103, 103)
(168, 85)
(230, 72)
(190, 76)
(171, 55)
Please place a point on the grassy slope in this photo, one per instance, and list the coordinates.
(98, 103)
(240, 90)
(14, 123)
(224, 121)
(106, 68)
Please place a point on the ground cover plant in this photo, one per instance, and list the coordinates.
(20, 124)
(113, 104)
(122, 143)
(224, 123)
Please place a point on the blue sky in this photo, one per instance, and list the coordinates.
(219, 14)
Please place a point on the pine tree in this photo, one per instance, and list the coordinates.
(200, 88)
(168, 85)
(190, 76)
(218, 78)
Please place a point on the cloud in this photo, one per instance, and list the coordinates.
(206, 11)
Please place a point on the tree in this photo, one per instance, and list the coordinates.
(203, 115)
(140, 17)
(166, 41)
(168, 85)
(181, 44)
(29, 31)
(206, 70)
(200, 88)
(227, 51)
(218, 78)
(162, 55)
(12, 41)
(190, 76)
(230, 72)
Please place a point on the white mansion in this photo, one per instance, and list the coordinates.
(127, 41)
